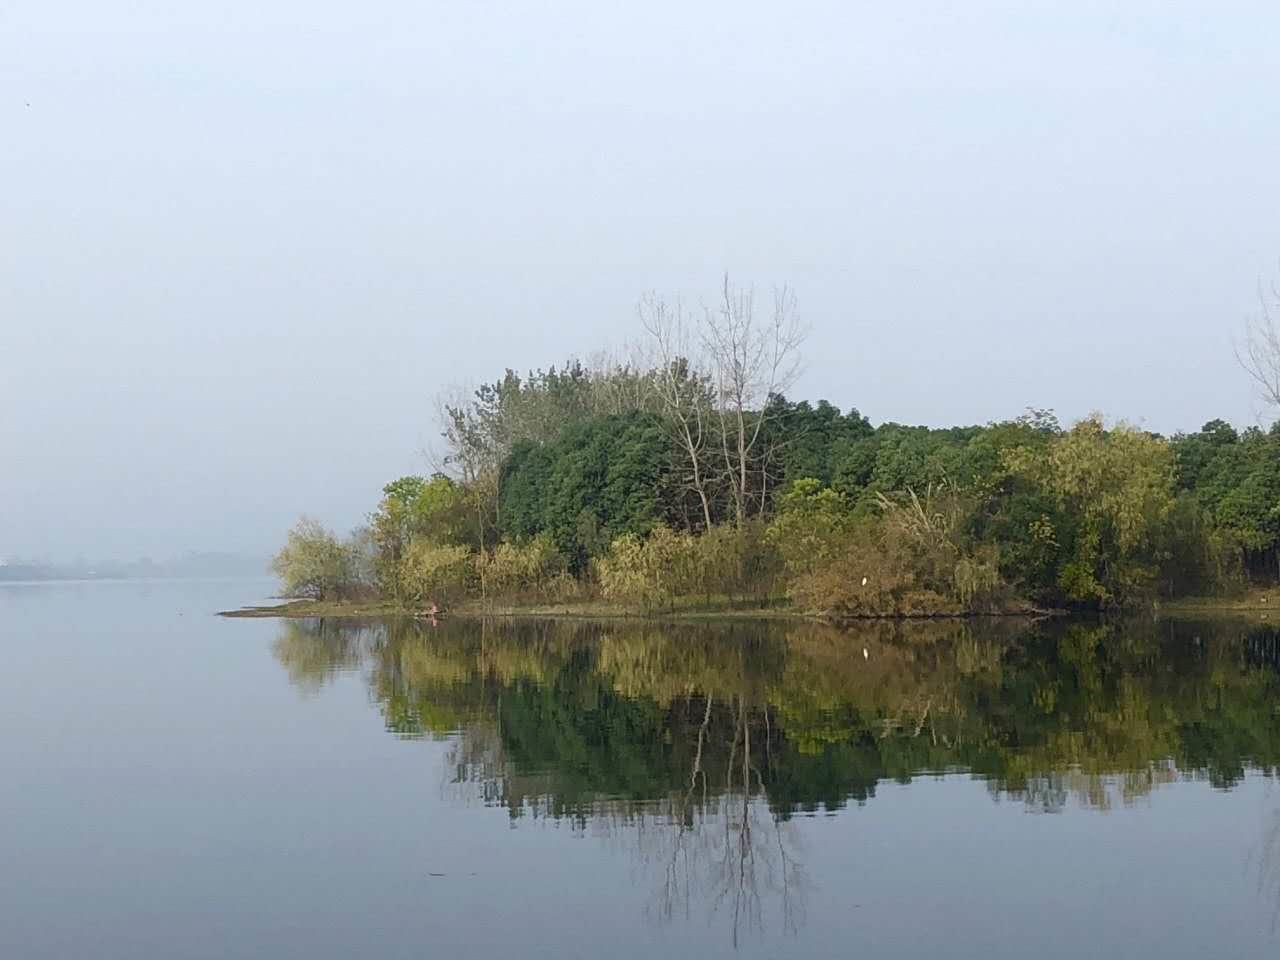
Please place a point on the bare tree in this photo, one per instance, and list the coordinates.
(682, 390)
(751, 361)
(1259, 354)
(619, 384)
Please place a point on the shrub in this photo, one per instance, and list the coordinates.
(916, 558)
(436, 572)
(652, 571)
(871, 576)
(532, 567)
(564, 587)
(314, 563)
(621, 570)
(810, 527)
(655, 571)
(734, 562)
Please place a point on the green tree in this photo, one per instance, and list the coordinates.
(601, 479)
(1236, 479)
(811, 525)
(414, 508)
(1114, 489)
(313, 563)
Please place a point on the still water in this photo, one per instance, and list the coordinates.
(177, 785)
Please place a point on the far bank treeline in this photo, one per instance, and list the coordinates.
(687, 478)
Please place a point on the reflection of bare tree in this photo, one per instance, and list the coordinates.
(738, 863)
(676, 879)
(476, 765)
(1269, 867)
(723, 846)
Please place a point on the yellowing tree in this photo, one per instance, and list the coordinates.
(431, 571)
(314, 563)
(1114, 489)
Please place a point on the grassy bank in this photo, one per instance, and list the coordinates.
(682, 610)
(1256, 601)
(586, 609)
(322, 608)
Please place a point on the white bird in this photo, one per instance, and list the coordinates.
(865, 655)
(864, 581)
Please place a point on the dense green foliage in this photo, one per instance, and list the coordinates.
(1235, 479)
(571, 473)
(599, 479)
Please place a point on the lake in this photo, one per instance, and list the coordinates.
(179, 785)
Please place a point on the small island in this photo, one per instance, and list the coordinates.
(685, 483)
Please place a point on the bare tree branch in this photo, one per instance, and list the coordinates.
(752, 361)
(681, 389)
(1259, 354)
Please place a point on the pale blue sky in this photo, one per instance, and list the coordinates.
(243, 245)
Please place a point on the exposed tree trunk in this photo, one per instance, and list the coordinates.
(681, 389)
(752, 362)
(1259, 354)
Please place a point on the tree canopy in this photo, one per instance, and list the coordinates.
(691, 439)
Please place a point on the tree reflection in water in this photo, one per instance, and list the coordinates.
(695, 746)
(720, 842)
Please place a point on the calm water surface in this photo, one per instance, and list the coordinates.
(177, 785)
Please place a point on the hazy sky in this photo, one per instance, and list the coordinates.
(244, 244)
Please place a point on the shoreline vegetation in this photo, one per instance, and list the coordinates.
(1254, 602)
(680, 481)
(303, 608)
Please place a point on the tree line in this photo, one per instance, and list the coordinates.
(682, 473)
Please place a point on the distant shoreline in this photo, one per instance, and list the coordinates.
(156, 578)
(207, 564)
